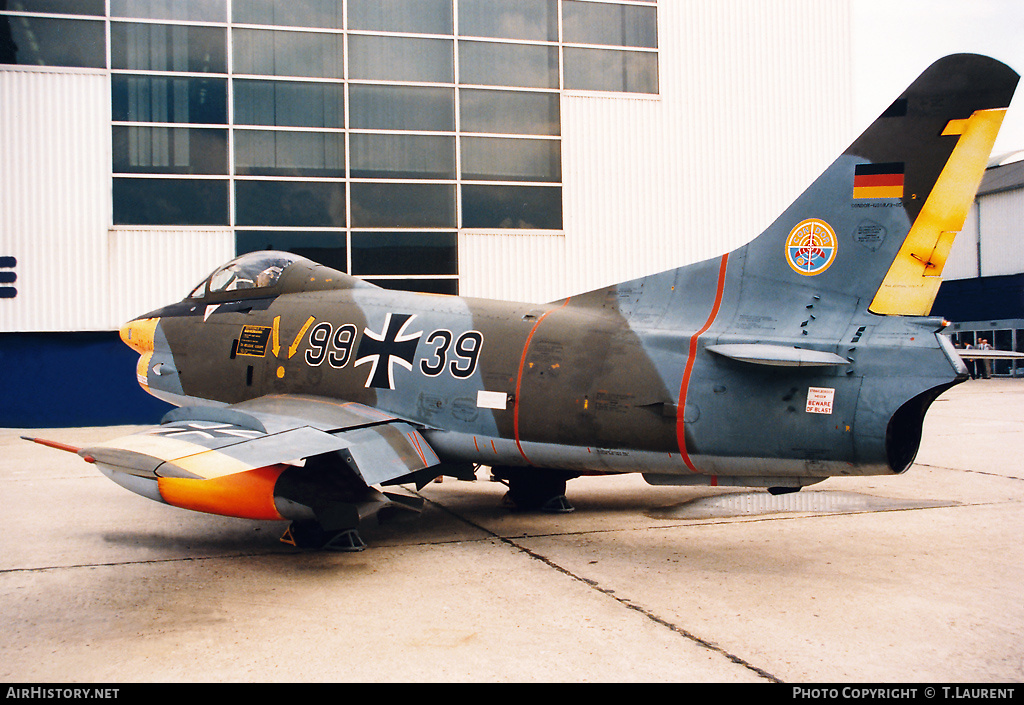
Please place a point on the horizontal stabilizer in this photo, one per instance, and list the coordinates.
(777, 355)
(989, 355)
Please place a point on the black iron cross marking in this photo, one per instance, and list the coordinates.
(385, 349)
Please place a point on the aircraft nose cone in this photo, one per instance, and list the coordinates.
(138, 334)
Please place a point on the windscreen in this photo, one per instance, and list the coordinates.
(256, 270)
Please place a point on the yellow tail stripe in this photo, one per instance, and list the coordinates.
(910, 286)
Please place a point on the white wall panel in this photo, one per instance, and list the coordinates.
(55, 198)
(489, 263)
(150, 268)
(1002, 248)
(756, 100)
(963, 256)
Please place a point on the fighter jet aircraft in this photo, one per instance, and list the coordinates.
(305, 394)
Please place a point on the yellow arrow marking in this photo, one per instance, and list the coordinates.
(293, 348)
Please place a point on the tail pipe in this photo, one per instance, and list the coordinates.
(903, 433)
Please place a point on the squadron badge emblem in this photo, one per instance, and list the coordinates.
(811, 247)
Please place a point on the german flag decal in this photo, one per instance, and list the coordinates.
(878, 180)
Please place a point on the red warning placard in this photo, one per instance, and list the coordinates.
(819, 400)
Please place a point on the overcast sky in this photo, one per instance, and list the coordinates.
(895, 40)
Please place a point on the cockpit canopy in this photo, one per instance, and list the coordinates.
(256, 270)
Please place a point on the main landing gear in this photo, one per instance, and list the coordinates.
(534, 489)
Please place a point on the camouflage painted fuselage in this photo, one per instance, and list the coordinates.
(593, 384)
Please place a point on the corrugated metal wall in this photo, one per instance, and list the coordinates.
(962, 262)
(55, 207)
(1002, 215)
(150, 268)
(756, 100)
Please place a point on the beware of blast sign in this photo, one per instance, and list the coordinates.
(819, 400)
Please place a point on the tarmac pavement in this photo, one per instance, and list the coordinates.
(907, 579)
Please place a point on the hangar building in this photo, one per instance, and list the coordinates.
(519, 149)
(983, 281)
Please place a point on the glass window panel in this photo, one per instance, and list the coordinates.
(178, 99)
(289, 13)
(509, 19)
(414, 16)
(277, 153)
(170, 201)
(289, 103)
(327, 248)
(160, 47)
(376, 205)
(402, 156)
(522, 65)
(61, 7)
(402, 108)
(1001, 340)
(169, 150)
(1018, 366)
(611, 70)
(401, 59)
(509, 112)
(604, 23)
(39, 41)
(501, 159)
(522, 207)
(285, 53)
(188, 10)
(296, 203)
(404, 253)
(424, 286)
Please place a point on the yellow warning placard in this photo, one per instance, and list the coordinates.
(253, 341)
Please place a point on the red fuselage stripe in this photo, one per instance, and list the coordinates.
(519, 381)
(688, 370)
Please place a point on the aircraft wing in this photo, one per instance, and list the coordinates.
(213, 442)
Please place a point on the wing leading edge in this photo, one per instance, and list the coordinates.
(293, 457)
